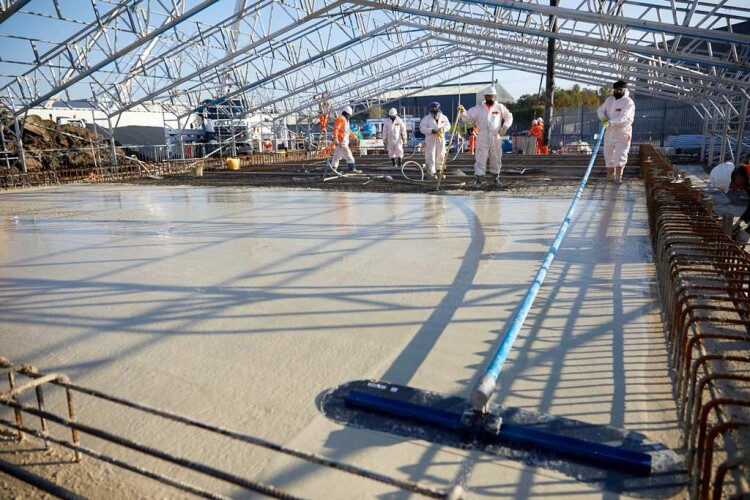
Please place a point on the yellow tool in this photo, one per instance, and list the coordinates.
(233, 163)
(445, 156)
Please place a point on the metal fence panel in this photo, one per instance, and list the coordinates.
(655, 120)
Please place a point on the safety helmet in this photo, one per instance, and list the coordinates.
(392, 112)
(534, 122)
(721, 175)
(348, 110)
(490, 90)
(434, 105)
(540, 119)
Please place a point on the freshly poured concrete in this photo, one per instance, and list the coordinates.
(240, 307)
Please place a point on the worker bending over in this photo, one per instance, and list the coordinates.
(492, 120)
(341, 135)
(617, 114)
(729, 178)
(394, 137)
(434, 126)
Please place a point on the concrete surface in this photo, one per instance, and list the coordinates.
(239, 307)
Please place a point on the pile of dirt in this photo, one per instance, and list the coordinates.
(48, 145)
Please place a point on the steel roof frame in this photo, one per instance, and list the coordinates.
(278, 54)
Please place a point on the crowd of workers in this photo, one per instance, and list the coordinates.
(489, 123)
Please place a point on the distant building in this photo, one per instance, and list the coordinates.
(413, 101)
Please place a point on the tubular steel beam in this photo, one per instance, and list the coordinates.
(108, 60)
(10, 8)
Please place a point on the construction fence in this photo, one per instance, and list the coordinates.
(655, 121)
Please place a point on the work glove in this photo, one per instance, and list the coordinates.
(385, 143)
(440, 133)
(741, 238)
(461, 109)
(502, 131)
(605, 122)
(403, 142)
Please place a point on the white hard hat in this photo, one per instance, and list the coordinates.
(490, 90)
(348, 110)
(541, 120)
(534, 122)
(721, 175)
(392, 112)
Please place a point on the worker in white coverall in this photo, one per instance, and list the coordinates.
(435, 126)
(492, 120)
(394, 137)
(617, 114)
(341, 135)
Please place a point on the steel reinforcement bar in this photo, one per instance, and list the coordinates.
(37, 381)
(134, 170)
(704, 280)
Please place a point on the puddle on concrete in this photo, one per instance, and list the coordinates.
(241, 306)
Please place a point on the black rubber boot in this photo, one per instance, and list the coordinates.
(393, 162)
(479, 184)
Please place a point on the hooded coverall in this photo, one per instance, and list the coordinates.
(434, 144)
(394, 133)
(489, 121)
(341, 134)
(620, 113)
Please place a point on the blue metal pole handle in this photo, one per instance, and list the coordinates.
(485, 387)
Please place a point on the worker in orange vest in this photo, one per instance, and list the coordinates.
(538, 132)
(740, 181)
(341, 135)
(473, 140)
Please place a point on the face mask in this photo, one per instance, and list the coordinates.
(489, 99)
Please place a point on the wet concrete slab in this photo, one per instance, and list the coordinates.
(240, 307)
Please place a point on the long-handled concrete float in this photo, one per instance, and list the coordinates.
(612, 458)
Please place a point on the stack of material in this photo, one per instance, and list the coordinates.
(48, 145)
(576, 148)
(528, 145)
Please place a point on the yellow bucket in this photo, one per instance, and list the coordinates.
(233, 163)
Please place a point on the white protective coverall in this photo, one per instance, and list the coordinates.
(434, 144)
(489, 120)
(394, 133)
(620, 113)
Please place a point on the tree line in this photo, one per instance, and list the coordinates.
(530, 106)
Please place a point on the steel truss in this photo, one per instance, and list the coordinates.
(281, 56)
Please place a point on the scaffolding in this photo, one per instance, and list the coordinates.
(130, 54)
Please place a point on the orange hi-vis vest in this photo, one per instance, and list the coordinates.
(537, 131)
(341, 130)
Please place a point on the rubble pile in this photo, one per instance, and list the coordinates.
(49, 146)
